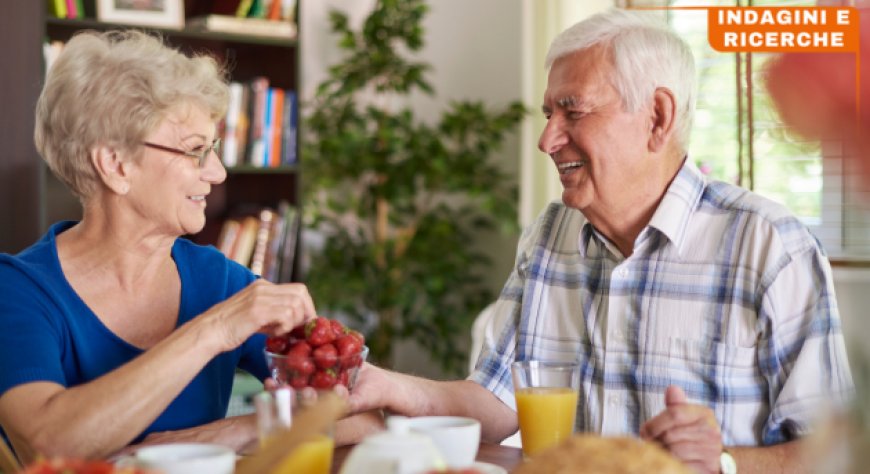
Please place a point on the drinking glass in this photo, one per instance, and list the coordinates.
(274, 413)
(546, 393)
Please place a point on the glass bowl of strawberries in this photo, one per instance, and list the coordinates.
(320, 354)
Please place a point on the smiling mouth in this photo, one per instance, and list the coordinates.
(567, 168)
(200, 197)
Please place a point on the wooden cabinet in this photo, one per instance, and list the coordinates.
(31, 199)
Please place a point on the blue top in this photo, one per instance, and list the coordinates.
(47, 333)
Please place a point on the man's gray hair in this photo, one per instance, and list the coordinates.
(645, 53)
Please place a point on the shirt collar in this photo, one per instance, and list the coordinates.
(672, 216)
(679, 203)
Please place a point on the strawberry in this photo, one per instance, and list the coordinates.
(325, 356)
(299, 349)
(301, 365)
(298, 381)
(348, 345)
(276, 344)
(358, 335)
(337, 328)
(298, 332)
(323, 379)
(344, 377)
(319, 332)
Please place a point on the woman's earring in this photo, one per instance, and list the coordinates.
(125, 188)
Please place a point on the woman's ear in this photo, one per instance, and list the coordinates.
(663, 118)
(113, 171)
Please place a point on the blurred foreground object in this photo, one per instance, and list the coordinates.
(603, 455)
(816, 96)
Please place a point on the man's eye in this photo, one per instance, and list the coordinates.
(198, 149)
(576, 115)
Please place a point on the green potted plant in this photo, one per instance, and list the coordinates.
(399, 201)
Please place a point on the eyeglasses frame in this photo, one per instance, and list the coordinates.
(200, 157)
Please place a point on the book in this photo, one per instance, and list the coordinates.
(289, 129)
(276, 238)
(277, 127)
(288, 246)
(256, 145)
(243, 8)
(57, 8)
(230, 149)
(244, 26)
(244, 248)
(227, 238)
(72, 10)
(261, 243)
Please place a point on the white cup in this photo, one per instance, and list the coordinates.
(187, 458)
(456, 437)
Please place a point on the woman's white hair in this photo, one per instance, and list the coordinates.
(645, 54)
(112, 89)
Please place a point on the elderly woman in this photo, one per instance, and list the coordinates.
(113, 329)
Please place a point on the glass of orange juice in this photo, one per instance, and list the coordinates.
(274, 413)
(546, 393)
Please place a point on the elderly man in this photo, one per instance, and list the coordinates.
(703, 315)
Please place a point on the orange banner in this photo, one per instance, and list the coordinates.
(783, 29)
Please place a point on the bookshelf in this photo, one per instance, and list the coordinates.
(31, 199)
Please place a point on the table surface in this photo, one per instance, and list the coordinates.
(505, 456)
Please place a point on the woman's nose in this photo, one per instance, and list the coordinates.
(213, 169)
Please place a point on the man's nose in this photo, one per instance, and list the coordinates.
(553, 138)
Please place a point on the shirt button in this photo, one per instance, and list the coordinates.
(621, 273)
(613, 400)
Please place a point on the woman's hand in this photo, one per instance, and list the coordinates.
(261, 307)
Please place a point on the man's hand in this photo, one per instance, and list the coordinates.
(689, 432)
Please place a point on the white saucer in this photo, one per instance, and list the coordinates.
(487, 468)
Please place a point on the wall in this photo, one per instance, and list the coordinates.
(474, 50)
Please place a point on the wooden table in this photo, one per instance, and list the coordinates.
(504, 456)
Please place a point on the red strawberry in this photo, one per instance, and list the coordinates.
(319, 332)
(358, 335)
(348, 345)
(337, 328)
(298, 332)
(344, 377)
(276, 345)
(325, 356)
(302, 365)
(299, 349)
(323, 379)
(299, 381)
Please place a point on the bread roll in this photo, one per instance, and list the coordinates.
(583, 454)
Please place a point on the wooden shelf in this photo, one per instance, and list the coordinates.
(58, 28)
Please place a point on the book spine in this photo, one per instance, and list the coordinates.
(267, 128)
(274, 10)
(259, 90)
(288, 135)
(71, 10)
(244, 8)
(231, 125)
(57, 8)
(262, 241)
(277, 127)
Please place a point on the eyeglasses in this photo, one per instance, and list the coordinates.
(200, 156)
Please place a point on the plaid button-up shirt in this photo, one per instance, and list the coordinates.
(726, 295)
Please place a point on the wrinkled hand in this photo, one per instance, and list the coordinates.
(371, 390)
(690, 432)
(261, 307)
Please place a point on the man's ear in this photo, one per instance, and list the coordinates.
(663, 119)
(113, 171)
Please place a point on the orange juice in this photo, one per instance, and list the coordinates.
(546, 416)
(311, 457)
